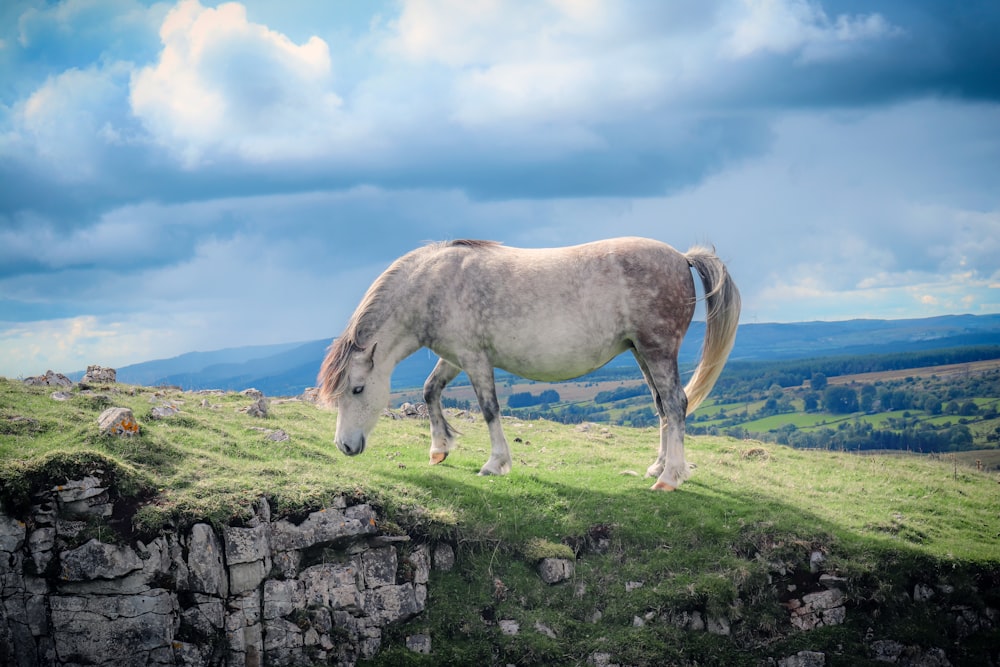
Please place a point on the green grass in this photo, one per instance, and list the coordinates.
(714, 546)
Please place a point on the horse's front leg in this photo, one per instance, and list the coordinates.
(442, 434)
(481, 376)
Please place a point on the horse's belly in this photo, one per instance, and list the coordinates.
(556, 358)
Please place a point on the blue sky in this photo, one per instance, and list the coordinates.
(191, 176)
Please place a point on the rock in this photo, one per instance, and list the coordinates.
(543, 629)
(311, 395)
(818, 609)
(633, 585)
(252, 393)
(278, 436)
(327, 525)
(816, 560)
(886, 650)
(922, 593)
(96, 560)
(118, 421)
(50, 379)
(258, 408)
(419, 644)
(390, 604)
(555, 570)
(420, 563)
(718, 625)
(61, 396)
(163, 411)
(411, 411)
(204, 566)
(444, 557)
(510, 627)
(804, 659)
(99, 375)
(114, 629)
(600, 659)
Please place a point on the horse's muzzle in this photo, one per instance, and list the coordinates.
(352, 449)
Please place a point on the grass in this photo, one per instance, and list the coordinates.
(717, 546)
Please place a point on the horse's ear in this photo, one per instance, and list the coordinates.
(371, 354)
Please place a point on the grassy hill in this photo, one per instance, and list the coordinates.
(736, 543)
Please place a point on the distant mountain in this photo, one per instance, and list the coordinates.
(287, 369)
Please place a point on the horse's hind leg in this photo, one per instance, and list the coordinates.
(442, 434)
(663, 378)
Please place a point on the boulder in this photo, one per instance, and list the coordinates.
(50, 379)
(99, 375)
(118, 421)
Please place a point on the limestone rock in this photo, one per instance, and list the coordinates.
(327, 525)
(115, 629)
(206, 572)
(818, 609)
(50, 379)
(164, 411)
(804, 659)
(96, 560)
(555, 570)
(444, 557)
(118, 421)
(258, 408)
(99, 375)
(419, 643)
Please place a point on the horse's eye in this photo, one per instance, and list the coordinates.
(357, 390)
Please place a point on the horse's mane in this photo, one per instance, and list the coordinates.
(370, 313)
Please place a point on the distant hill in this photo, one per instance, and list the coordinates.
(287, 369)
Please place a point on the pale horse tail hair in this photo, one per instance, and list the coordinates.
(722, 306)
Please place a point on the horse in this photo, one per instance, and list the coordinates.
(548, 315)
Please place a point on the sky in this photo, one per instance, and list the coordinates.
(185, 176)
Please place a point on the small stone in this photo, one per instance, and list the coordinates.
(419, 644)
(163, 411)
(804, 659)
(922, 593)
(61, 396)
(816, 560)
(633, 585)
(555, 570)
(543, 629)
(509, 627)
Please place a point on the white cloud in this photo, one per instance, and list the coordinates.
(225, 86)
(787, 26)
(66, 122)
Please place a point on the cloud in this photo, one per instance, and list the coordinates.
(224, 84)
(802, 27)
(169, 170)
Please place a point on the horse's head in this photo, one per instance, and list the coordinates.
(360, 393)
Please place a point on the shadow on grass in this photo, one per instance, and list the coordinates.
(716, 552)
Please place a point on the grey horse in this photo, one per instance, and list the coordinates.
(544, 314)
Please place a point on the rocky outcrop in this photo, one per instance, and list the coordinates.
(50, 379)
(278, 591)
(99, 375)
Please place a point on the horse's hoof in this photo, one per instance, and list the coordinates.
(662, 486)
(438, 457)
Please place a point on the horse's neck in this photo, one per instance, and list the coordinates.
(392, 333)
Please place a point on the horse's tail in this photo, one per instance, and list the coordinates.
(722, 304)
